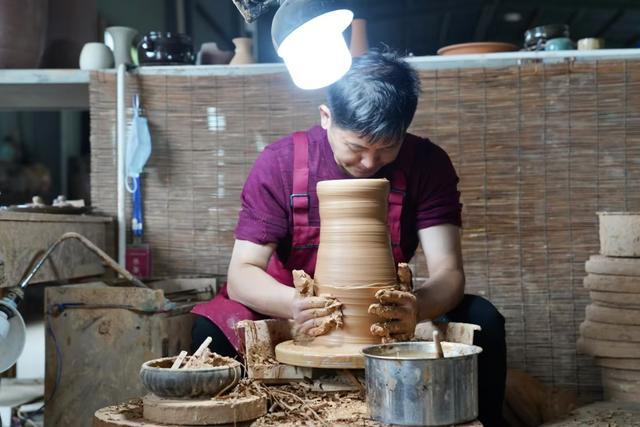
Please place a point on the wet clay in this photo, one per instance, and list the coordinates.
(354, 257)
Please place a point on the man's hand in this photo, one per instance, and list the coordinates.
(398, 307)
(313, 316)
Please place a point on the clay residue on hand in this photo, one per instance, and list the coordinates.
(304, 284)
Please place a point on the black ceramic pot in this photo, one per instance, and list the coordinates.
(164, 48)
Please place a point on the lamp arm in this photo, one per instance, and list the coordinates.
(92, 247)
(253, 9)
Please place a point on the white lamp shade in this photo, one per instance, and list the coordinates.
(11, 344)
(316, 53)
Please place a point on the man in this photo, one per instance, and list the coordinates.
(362, 135)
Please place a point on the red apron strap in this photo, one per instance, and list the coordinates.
(299, 197)
(396, 200)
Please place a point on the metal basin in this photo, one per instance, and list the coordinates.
(184, 383)
(407, 385)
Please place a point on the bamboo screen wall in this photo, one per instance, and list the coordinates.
(539, 150)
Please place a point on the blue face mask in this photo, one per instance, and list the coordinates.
(138, 145)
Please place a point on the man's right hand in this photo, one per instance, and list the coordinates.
(313, 315)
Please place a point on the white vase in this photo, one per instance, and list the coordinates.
(96, 56)
(243, 54)
(120, 40)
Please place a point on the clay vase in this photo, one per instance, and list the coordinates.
(120, 40)
(355, 259)
(359, 41)
(243, 53)
(211, 54)
(95, 56)
(23, 28)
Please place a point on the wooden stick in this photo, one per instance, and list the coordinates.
(198, 352)
(179, 360)
(438, 344)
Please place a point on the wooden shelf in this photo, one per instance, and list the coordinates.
(41, 89)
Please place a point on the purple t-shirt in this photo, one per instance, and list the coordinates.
(266, 215)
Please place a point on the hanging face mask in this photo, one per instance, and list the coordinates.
(138, 146)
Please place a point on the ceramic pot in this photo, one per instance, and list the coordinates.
(23, 27)
(590, 44)
(165, 48)
(96, 56)
(560, 43)
(210, 54)
(120, 40)
(355, 259)
(243, 52)
(359, 42)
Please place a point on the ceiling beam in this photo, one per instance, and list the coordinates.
(444, 29)
(485, 19)
(617, 15)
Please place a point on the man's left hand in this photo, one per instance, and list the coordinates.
(399, 309)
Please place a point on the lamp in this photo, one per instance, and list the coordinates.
(12, 330)
(307, 35)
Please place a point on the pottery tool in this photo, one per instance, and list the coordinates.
(199, 352)
(438, 345)
(179, 360)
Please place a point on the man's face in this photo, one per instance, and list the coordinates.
(355, 155)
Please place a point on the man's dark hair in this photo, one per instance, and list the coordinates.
(377, 98)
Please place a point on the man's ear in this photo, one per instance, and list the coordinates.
(325, 116)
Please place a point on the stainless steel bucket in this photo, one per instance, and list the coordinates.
(407, 385)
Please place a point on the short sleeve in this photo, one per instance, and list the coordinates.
(263, 216)
(438, 195)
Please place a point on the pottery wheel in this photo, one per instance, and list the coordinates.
(203, 411)
(346, 356)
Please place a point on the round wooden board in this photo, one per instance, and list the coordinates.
(203, 412)
(347, 356)
(615, 363)
(616, 316)
(605, 348)
(610, 283)
(616, 299)
(607, 331)
(600, 264)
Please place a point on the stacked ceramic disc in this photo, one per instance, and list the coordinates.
(611, 330)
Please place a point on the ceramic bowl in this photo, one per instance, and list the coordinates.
(477, 47)
(158, 379)
(559, 43)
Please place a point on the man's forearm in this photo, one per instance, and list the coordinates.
(253, 287)
(439, 294)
